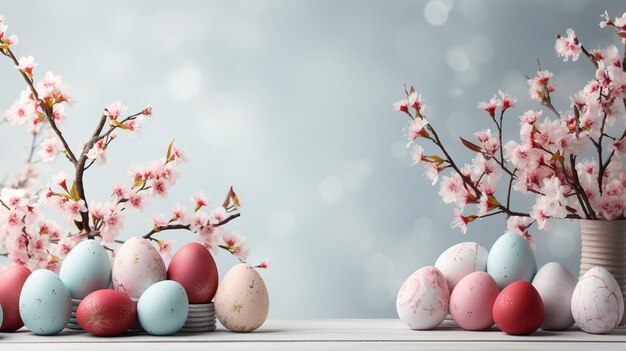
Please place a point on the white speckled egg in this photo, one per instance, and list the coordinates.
(460, 260)
(422, 301)
(45, 303)
(163, 308)
(555, 285)
(137, 266)
(511, 258)
(242, 302)
(86, 269)
(597, 302)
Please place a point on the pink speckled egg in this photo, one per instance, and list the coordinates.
(422, 301)
(137, 265)
(597, 302)
(471, 302)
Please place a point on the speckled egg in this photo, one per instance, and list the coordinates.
(137, 266)
(555, 284)
(163, 308)
(242, 302)
(86, 269)
(12, 280)
(597, 302)
(106, 312)
(194, 268)
(461, 260)
(471, 301)
(422, 301)
(45, 303)
(511, 259)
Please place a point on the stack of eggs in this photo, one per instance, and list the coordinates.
(134, 295)
(479, 288)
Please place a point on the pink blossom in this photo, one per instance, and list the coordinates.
(568, 46)
(73, 210)
(416, 129)
(264, 264)
(209, 241)
(13, 198)
(165, 248)
(606, 20)
(416, 102)
(147, 111)
(507, 100)
(518, 224)
(401, 105)
(159, 188)
(197, 221)
(114, 110)
(619, 147)
(136, 200)
(530, 116)
(620, 22)
(26, 65)
(539, 85)
(134, 126)
(98, 152)
(119, 191)
(540, 216)
(432, 172)
(175, 153)
(489, 142)
(112, 224)
(460, 221)
(50, 148)
(159, 221)
(491, 106)
(417, 154)
(218, 215)
(180, 213)
(199, 201)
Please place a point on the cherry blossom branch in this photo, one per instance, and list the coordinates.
(44, 106)
(186, 226)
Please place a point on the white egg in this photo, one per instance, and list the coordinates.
(460, 260)
(597, 302)
(422, 301)
(555, 285)
(241, 301)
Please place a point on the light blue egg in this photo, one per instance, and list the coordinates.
(86, 268)
(45, 303)
(163, 308)
(511, 259)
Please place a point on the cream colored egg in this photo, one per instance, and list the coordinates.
(137, 266)
(422, 301)
(460, 260)
(242, 302)
(597, 302)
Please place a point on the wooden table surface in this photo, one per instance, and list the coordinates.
(336, 334)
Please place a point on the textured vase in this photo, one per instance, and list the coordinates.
(604, 245)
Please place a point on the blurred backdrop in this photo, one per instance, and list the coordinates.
(290, 102)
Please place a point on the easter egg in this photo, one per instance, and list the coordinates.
(461, 260)
(137, 266)
(518, 309)
(194, 268)
(471, 301)
(12, 280)
(45, 303)
(163, 308)
(86, 268)
(555, 285)
(422, 301)
(597, 302)
(511, 258)
(106, 312)
(242, 302)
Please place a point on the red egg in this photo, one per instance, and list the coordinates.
(194, 268)
(518, 309)
(106, 312)
(11, 281)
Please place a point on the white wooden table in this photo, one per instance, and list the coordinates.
(339, 334)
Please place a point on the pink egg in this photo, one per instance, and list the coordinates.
(471, 302)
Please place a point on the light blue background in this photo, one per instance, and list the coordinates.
(290, 102)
